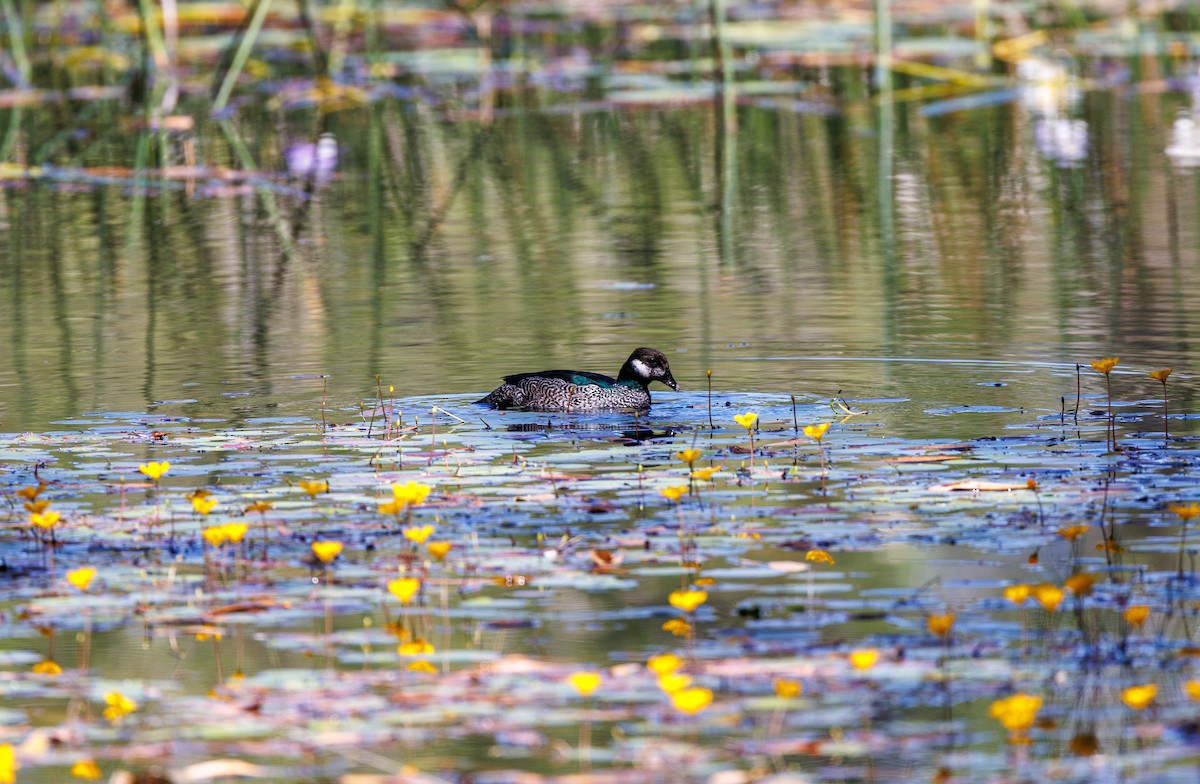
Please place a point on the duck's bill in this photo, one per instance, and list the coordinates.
(669, 381)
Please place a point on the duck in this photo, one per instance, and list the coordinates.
(581, 391)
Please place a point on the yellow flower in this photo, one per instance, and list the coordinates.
(82, 577)
(674, 493)
(47, 667)
(86, 769)
(1071, 533)
(1080, 584)
(260, 506)
(234, 531)
(203, 503)
(689, 456)
(1185, 513)
(864, 658)
(8, 764)
(671, 682)
(439, 550)
(705, 474)
(1047, 595)
(404, 588)
(940, 625)
(677, 627)
(1016, 712)
(816, 432)
(691, 701)
(584, 682)
(327, 551)
(687, 601)
(391, 507)
(214, 535)
(1161, 375)
(314, 486)
(418, 534)
(30, 493)
(1105, 365)
(664, 663)
(1017, 594)
(819, 556)
(788, 689)
(746, 420)
(417, 647)
(155, 470)
(38, 506)
(118, 706)
(45, 520)
(1139, 697)
(1136, 615)
(410, 493)
(1192, 688)
(420, 665)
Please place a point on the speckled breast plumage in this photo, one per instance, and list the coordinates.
(547, 393)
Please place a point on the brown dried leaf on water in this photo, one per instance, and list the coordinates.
(977, 486)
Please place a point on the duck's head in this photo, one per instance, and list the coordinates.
(647, 364)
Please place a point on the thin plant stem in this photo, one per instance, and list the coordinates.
(242, 55)
(711, 426)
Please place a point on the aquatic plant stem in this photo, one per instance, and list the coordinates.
(1111, 435)
(711, 426)
(16, 41)
(245, 45)
(1078, 391)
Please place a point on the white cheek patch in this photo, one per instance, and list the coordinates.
(641, 368)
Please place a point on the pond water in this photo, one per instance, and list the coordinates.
(933, 279)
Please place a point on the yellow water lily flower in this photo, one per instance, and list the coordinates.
(687, 601)
(1136, 615)
(203, 503)
(1185, 513)
(1016, 712)
(788, 689)
(86, 769)
(214, 535)
(1073, 532)
(1017, 594)
(1192, 688)
(45, 520)
(940, 625)
(1105, 366)
(1139, 697)
(691, 701)
(47, 667)
(1161, 375)
(417, 647)
(819, 556)
(410, 493)
(678, 627)
(816, 432)
(584, 682)
(404, 588)
(155, 470)
(38, 506)
(8, 764)
(674, 493)
(30, 493)
(420, 665)
(689, 456)
(314, 486)
(746, 420)
(235, 532)
(326, 551)
(664, 663)
(82, 577)
(261, 507)
(439, 550)
(705, 474)
(671, 682)
(1047, 595)
(418, 534)
(863, 659)
(119, 706)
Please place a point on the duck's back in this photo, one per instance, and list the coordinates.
(567, 390)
